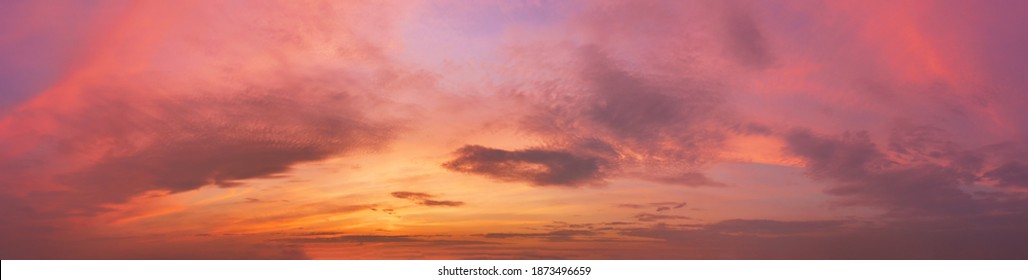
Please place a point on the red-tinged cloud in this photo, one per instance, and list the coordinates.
(903, 121)
(149, 104)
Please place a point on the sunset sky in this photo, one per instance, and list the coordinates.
(514, 129)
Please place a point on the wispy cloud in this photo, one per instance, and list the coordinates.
(425, 199)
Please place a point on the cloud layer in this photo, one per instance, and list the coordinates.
(570, 129)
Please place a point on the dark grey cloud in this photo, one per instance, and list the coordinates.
(539, 167)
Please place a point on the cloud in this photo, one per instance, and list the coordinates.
(319, 233)
(424, 199)
(152, 247)
(660, 206)
(103, 103)
(358, 239)
(411, 195)
(863, 175)
(688, 179)
(774, 226)
(744, 38)
(539, 167)
(992, 237)
(309, 210)
(849, 157)
(647, 217)
(557, 235)
(625, 122)
(183, 144)
(126, 114)
(643, 121)
(127, 139)
(361, 239)
(429, 202)
(214, 249)
(627, 106)
(1010, 174)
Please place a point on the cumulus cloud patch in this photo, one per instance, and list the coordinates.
(539, 167)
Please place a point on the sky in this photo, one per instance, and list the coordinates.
(514, 129)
